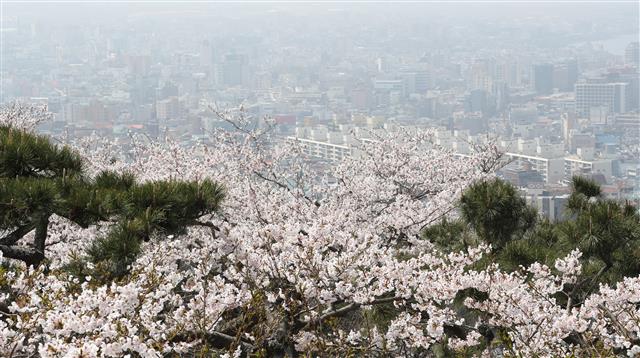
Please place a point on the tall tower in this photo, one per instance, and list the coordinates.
(632, 54)
(234, 70)
(542, 75)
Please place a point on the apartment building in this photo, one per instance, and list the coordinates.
(323, 149)
(551, 169)
(608, 96)
(575, 165)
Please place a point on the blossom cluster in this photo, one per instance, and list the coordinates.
(301, 260)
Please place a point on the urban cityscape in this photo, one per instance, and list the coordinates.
(253, 179)
(556, 89)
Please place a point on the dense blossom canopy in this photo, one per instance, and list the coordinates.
(300, 260)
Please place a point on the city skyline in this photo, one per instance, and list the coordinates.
(320, 179)
(555, 84)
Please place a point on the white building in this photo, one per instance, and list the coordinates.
(551, 169)
(590, 95)
(323, 149)
(577, 166)
(550, 150)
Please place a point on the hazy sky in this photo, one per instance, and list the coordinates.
(80, 12)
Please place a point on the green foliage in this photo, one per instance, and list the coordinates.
(170, 205)
(161, 207)
(115, 252)
(496, 212)
(116, 181)
(607, 232)
(24, 198)
(584, 186)
(24, 154)
(539, 244)
(39, 179)
(449, 235)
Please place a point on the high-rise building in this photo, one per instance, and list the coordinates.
(168, 89)
(611, 96)
(383, 65)
(572, 72)
(473, 122)
(549, 205)
(542, 76)
(482, 74)
(578, 165)
(76, 112)
(168, 108)
(360, 97)
(386, 87)
(476, 101)
(561, 78)
(565, 75)
(568, 124)
(234, 70)
(206, 54)
(96, 111)
(632, 54)
(138, 64)
(580, 140)
(523, 114)
(507, 72)
(424, 81)
(262, 80)
(551, 169)
(501, 95)
(632, 78)
(428, 106)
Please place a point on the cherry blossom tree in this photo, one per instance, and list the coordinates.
(39, 179)
(304, 261)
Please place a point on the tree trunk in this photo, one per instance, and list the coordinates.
(42, 224)
(29, 255)
(23, 253)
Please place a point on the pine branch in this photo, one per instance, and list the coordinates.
(28, 255)
(17, 234)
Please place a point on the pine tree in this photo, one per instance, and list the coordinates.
(39, 179)
(606, 231)
(496, 212)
